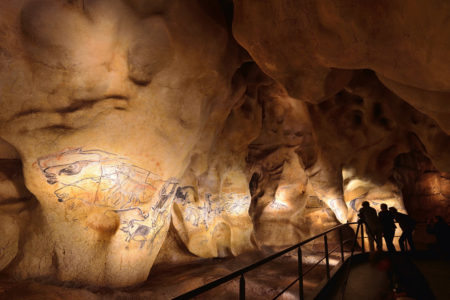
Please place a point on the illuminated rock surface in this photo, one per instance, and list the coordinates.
(156, 133)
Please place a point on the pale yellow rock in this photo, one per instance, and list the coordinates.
(135, 132)
(215, 223)
(104, 109)
(358, 190)
(9, 243)
(281, 222)
(211, 210)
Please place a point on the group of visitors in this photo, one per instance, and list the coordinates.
(383, 225)
(406, 279)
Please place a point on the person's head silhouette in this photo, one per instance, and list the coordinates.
(366, 204)
(393, 210)
(383, 207)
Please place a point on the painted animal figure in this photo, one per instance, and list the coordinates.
(136, 232)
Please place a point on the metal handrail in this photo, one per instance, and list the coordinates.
(395, 236)
(240, 273)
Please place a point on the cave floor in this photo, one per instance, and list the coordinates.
(262, 283)
(366, 280)
(166, 283)
(420, 275)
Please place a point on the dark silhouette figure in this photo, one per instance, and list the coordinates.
(441, 230)
(388, 225)
(373, 226)
(407, 224)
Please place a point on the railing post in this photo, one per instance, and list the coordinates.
(362, 239)
(325, 240)
(342, 244)
(300, 273)
(242, 287)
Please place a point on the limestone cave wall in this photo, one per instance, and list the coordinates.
(136, 133)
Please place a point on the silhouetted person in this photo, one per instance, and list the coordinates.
(373, 226)
(407, 224)
(388, 225)
(441, 230)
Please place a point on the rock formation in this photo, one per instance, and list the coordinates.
(135, 132)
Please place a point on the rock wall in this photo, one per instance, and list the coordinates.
(135, 133)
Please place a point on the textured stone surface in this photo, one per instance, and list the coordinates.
(309, 47)
(151, 133)
(105, 110)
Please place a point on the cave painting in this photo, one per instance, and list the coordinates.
(118, 78)
(213, 224)
(145, 94)
(94, 178)
(212, 207)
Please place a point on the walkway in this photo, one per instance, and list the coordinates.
(422, 276)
